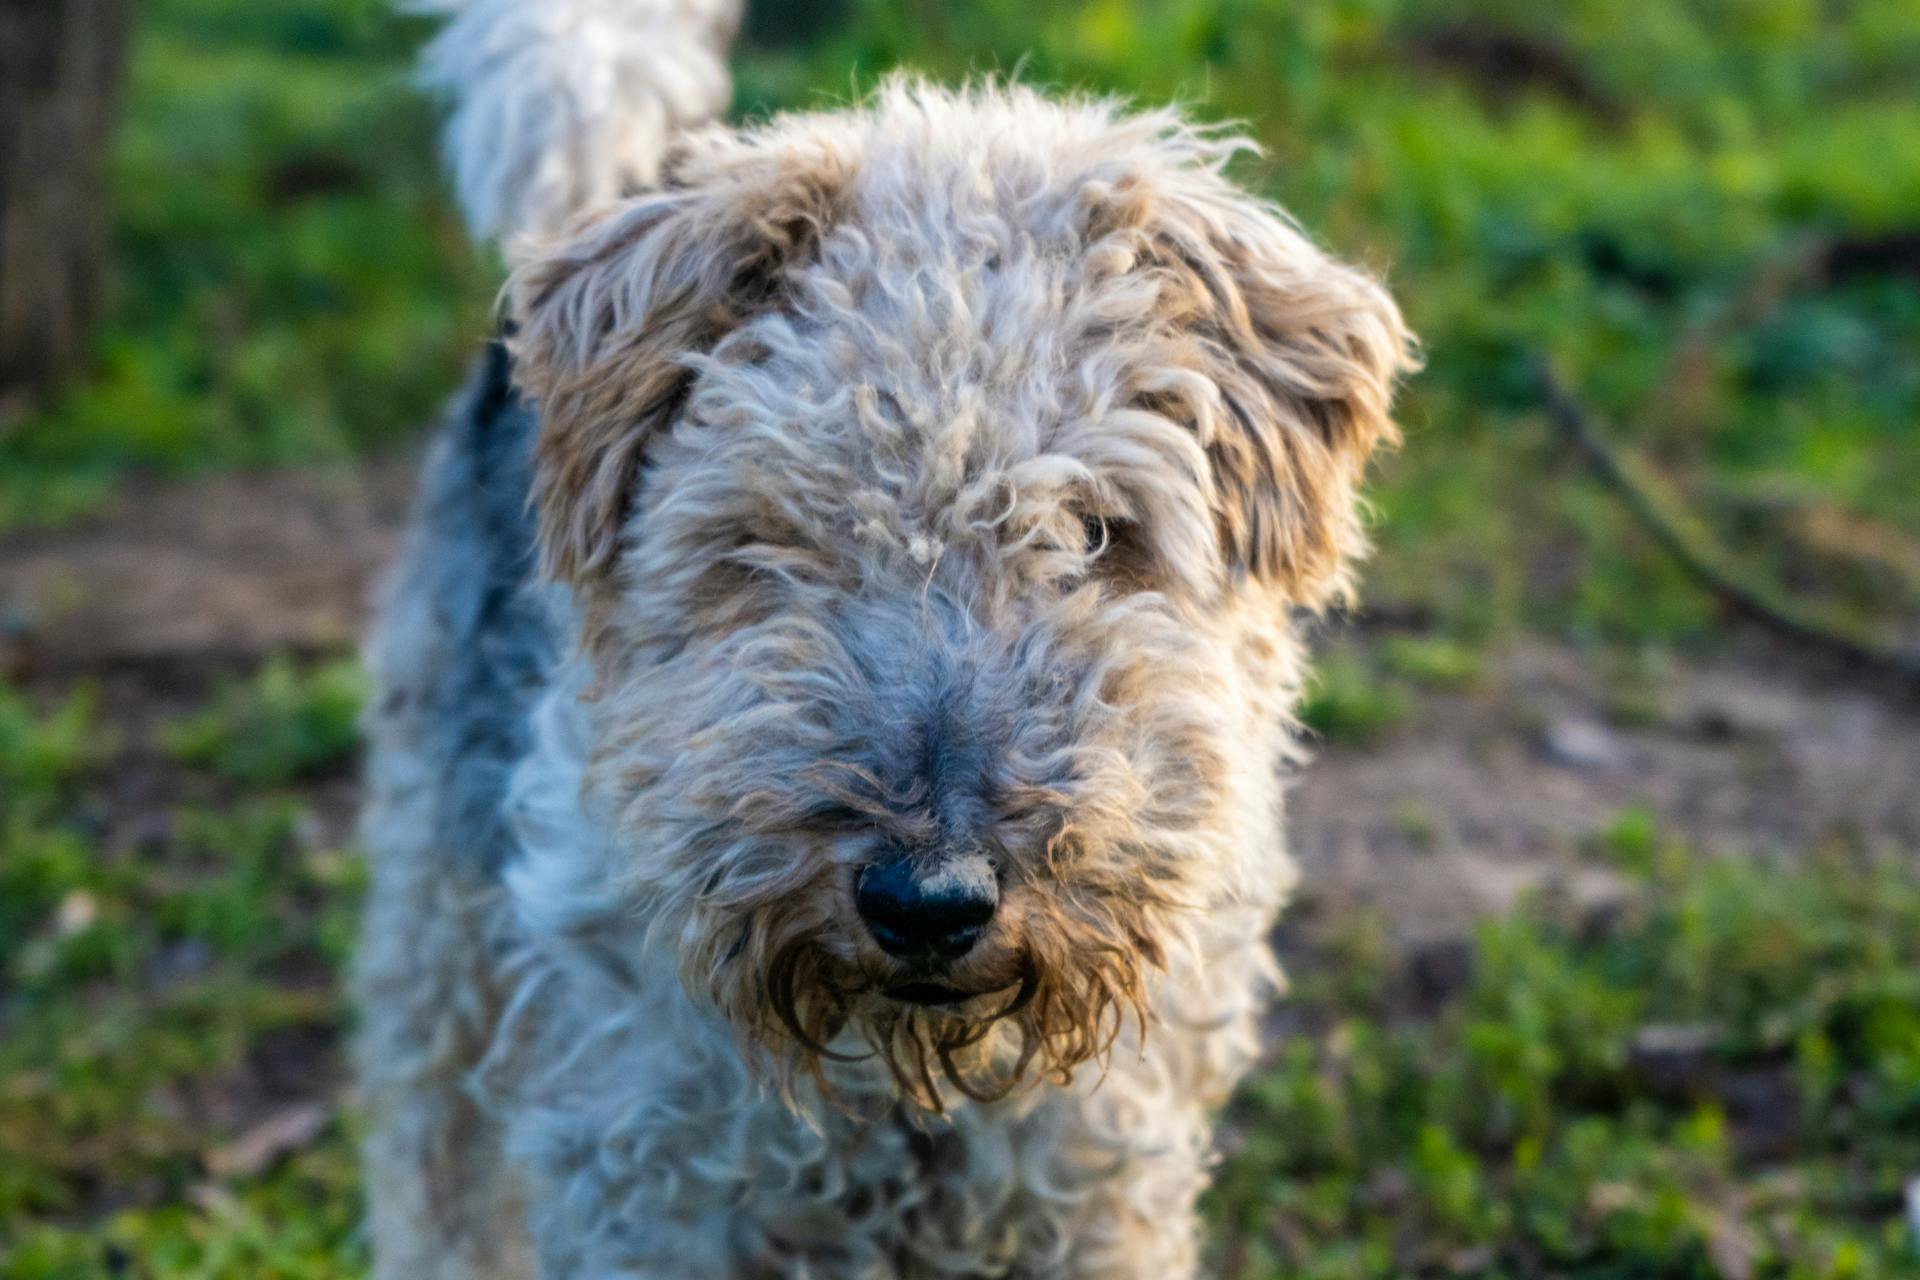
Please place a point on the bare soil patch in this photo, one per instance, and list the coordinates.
(1478, 797)
(221, 569)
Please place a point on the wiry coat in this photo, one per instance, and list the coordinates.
(565, 105)
(944, 472)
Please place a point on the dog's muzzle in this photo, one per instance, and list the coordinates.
(927, 912)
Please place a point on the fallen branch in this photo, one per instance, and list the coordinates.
(1706, 565)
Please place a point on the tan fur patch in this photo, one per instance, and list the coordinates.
(603, 322)
(1298, 356)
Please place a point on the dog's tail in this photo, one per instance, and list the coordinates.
(562, 105)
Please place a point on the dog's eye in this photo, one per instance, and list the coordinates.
(1099, 533)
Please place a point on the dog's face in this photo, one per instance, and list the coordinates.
(936, 480)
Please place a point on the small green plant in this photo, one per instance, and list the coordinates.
(40, 753)
(1348, 703)
(1633, 842)
(282, 725)
(1434, 661)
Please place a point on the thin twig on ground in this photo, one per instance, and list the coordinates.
(1706, 565)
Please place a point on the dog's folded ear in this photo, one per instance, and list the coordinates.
(1301, 352)
(604, 323)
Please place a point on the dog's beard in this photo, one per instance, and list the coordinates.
(1071, 988)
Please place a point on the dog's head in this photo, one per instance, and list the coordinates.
(936, 480)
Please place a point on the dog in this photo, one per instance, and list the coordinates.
(832, 709)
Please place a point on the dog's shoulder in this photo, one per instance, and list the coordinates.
(467, 639)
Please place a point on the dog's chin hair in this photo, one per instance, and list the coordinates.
(1066, 1009)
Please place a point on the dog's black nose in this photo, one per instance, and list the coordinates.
(927, 912)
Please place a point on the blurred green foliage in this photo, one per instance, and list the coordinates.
(281, 725)
(38, 753)
(1347, 701)
(158, 988)
(289, 284)
(1357, 694)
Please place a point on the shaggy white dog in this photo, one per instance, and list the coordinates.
(826, 789)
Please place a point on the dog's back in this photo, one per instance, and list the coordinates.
(559, 105)
(461, 648)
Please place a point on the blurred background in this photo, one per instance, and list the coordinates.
(1607, 957)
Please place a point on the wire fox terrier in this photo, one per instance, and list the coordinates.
(833, 707)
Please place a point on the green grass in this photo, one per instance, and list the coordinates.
(160, 991)
(39, 752)
(290, 286)
(1349, 702)
(1728, 1068)
(280, 726)
(1723, 1063)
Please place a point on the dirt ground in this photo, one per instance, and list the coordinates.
(1470, 799)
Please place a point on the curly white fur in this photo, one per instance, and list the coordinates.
(562, 106)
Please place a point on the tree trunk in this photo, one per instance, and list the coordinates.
(61, 63)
